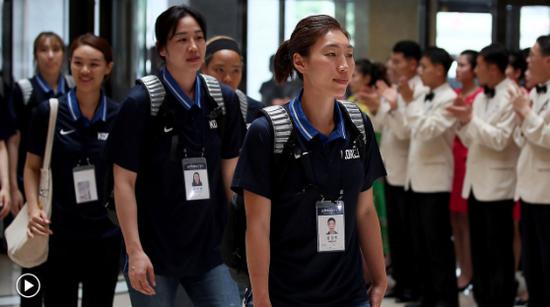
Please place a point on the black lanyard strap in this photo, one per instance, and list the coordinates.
(304, 157)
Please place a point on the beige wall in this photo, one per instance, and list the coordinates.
(389, 21)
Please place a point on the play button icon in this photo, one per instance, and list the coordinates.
(28, 285)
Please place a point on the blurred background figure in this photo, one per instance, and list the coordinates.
(469, 89)
(224, 61)
(274, 93)
(363, 92)
(517, 65)
(47, 82)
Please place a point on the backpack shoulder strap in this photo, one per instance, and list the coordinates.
(214, 90)
(155, 91)
(353, 113)
(243, 101)
(70, 81)
(282, 126)
(26, 89)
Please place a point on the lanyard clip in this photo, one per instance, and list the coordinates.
(79, 163)
(341, 196)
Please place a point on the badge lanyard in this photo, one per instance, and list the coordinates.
(304, 156)
(84, 177)
(195, 169)
(194, 165)
(329, 213)
(205, 123)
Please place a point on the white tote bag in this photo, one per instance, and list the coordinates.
(30, 252)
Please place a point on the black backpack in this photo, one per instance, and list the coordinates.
(156, 93)
(285, 147)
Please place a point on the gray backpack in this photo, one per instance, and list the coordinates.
(156, 92)
(283, 127)
(26, 87)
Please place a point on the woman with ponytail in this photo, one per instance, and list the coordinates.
(294, 259)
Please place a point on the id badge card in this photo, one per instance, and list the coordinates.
(330, 226)
(85, 187)
(195, 176)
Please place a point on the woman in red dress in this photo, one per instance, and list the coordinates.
(516, 71)
(458, 205)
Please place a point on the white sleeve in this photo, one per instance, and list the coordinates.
(431, 125)
(397, 123)
(536, 130)
(380, 116)
(495, 136)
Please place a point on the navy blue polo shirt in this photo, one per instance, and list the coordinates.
(77, 140)
(182, 238)
(6, 121)
(253, 109)
(298, 274)
(22, 113)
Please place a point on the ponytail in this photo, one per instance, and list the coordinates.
(283, 63)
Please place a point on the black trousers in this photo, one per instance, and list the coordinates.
(404, 270)
(491, 237)
(433, 247)
(39, 272)
(94, 264)
(535, 223)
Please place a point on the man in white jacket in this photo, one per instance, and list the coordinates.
(486, 129)
(533, 171)
(390, 119)
(429, 180)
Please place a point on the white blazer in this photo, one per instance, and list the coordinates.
(394, 145)
(533, 169)
(492, 155)
(430, 163)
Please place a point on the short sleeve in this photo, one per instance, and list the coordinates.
(234, 127)
(5, 121)
(254, 169)
(127, 138)
(17, 106)
(253, 110)
(374, 167)
(38, 129)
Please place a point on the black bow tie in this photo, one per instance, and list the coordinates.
(541, 89)
(489, 91)
(429, 96)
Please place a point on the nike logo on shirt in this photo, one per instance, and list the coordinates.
(166, 129)
(65, 132)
